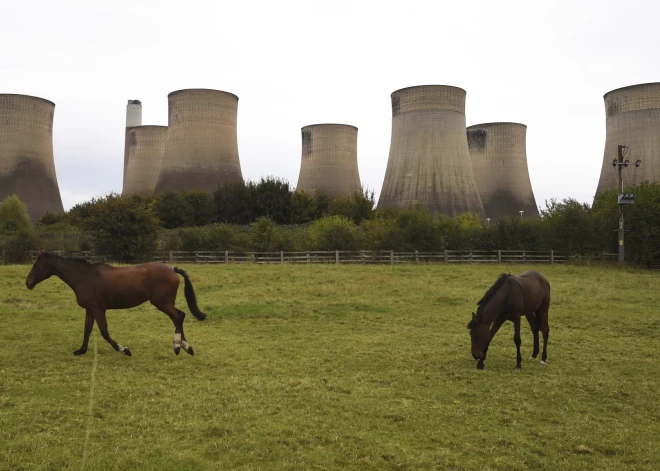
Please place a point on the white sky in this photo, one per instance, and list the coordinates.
(294, 63)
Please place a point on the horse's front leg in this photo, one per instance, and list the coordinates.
(89, 324)
(99, 315)
(516, 340)
(493, 330)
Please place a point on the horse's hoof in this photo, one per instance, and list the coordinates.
(190, 350)
(177, 350)
(532, 358)
(543, 363)
(80, 352)
(480, 366)
(126, 351)
(518, 368)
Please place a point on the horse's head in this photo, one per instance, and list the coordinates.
(41, 270)
(480, 334)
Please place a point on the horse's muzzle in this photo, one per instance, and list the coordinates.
(29, 285)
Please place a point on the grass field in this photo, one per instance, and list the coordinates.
(334, 367)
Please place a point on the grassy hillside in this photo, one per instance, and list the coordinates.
(333, 367)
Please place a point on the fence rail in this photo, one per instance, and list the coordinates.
(364, 257)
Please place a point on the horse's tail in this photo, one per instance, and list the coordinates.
(191, 299)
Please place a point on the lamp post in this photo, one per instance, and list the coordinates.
(521, 212)
(487, 222)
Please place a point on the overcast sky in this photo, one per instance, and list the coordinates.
(294, 63)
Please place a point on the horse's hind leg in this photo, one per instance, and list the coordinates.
(89, 324)
(187, 348)
(177, 317)
(99, 316)
(534, 325)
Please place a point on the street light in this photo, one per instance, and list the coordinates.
(487, 222)
(521, 213)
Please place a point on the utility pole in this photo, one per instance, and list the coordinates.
(623, 198)
(619, 168)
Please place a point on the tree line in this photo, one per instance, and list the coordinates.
(268, 215)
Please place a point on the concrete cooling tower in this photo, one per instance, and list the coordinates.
(133, 118)
(27, 167)
(329, 160)
(429, 162)
(145, 154)
(499, 162)
(201, 149)
(633, 119)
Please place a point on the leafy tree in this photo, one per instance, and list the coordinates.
(123, 228)
(358, 207)
(334, 233)
(200, 205)
(303, 208)
(173, 210)
(13, 216)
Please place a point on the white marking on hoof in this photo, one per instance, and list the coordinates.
(185, 345)
(532, 359)
(121, 349)
(176, 342)
(543, 363)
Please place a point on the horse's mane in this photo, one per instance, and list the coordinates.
(70, 259)
(491, 292)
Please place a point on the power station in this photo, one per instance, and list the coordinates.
(632, 119)
(329, 160)
(27, 166)
(133, 118)
(146, 145)
(201, 148)
(429, 162)
(499, 161)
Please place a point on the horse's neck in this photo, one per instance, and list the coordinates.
(494, 307)
(70, 273)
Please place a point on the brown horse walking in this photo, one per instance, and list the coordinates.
(508, 299)
(99, 287)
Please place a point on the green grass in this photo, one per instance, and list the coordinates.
(334, 367)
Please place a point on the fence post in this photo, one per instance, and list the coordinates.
(524, 256)
(446, 253)
(499, 256)
(3, 256)
(282, 257)
(171, 258)
(416, 256)
(391, 257)
(337, 257)
(552, 257)
(308, 258)
(226, 257)
(470, 256)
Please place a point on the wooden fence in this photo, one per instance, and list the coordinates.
(343, 257)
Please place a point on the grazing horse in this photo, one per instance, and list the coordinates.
(508, 299)
(99, 287)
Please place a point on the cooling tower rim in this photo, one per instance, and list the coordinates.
(329, 124)
(497, 123)
(629, 87)
(27, 96)
(183, 90)
(146, 126)
(428, 86)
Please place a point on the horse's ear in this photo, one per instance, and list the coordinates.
(470, 324)
(473, 315)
